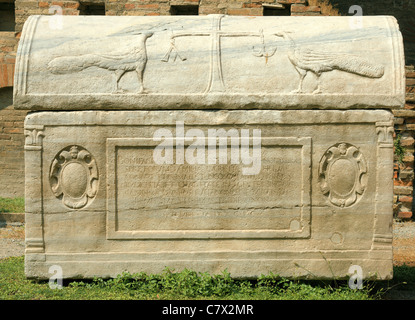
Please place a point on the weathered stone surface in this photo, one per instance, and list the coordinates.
(209, 62)
(311, 198)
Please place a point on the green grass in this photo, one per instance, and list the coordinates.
(12, 205)
(178, 285)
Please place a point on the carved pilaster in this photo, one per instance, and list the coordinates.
(34, 137)
(382, 228)
(385, 132)
(33, 189)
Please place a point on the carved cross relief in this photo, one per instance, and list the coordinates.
(135, 59)
(215, 82)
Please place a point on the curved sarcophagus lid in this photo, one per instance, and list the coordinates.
(209, 62)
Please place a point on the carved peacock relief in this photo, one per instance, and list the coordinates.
(133, 57)
(308, 60)
(73, 177)
(128, 59)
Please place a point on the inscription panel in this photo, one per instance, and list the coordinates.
(147, 200)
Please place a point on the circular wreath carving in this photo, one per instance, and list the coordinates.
(73, 177)
(343, 174)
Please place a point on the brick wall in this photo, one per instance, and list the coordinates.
(404, 141)
(25, 8)
(242, 7)
(11, 146)
(11, 122)
(8, 47)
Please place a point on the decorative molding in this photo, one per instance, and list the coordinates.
(22, 56)
(382, 238)
(382, 241)
(385, 131)
(342, 172)
(34, 137)
(34, 245)
(73, 177)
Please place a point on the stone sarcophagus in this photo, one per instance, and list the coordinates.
(252, 144)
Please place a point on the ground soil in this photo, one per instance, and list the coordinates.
(11, 240)
(404, 243)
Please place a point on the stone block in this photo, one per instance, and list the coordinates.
(399, 121)
(209, 62)
(410, 97)
(406, 174)
(404, 113)
(114, 191)
(410, 81)
(403, 190)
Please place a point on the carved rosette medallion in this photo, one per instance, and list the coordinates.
(73, 177)
(343, 174)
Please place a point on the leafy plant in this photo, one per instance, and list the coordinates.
(399, 149)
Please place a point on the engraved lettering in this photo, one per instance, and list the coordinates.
(217, 145)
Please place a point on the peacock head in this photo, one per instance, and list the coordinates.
(282, 34)
(148, 34)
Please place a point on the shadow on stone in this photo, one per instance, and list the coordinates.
(6, 97)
